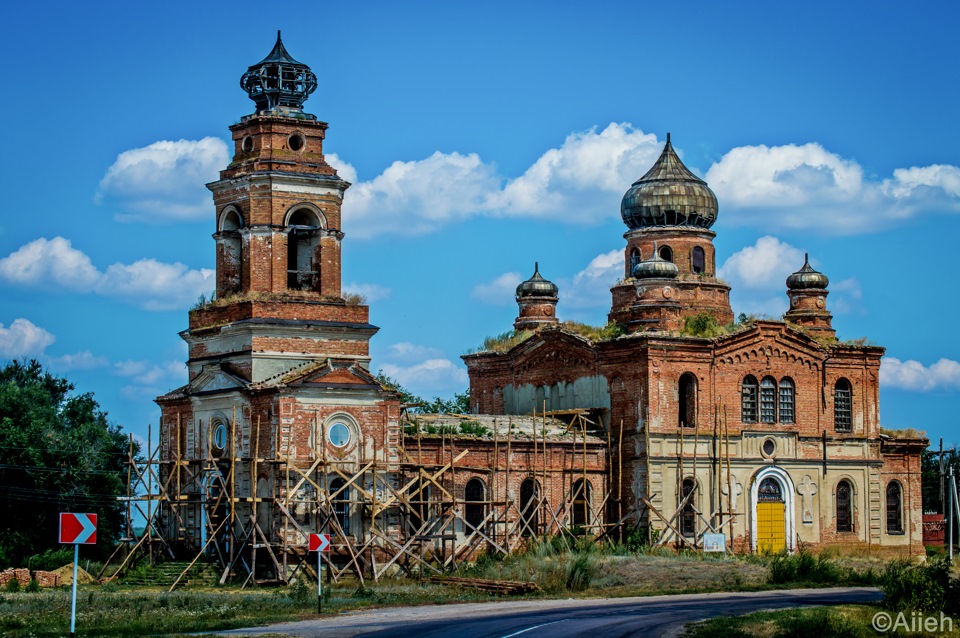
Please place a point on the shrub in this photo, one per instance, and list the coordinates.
(580, 573)
(13, 585)
(805, 567)
(926, 588)
(300, 593)
(33, 586)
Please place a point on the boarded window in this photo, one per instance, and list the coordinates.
(340, 500)
(748, 400)
(768, 400)
(843, 406)
(844, 507)
(787, 414)
(894, 508)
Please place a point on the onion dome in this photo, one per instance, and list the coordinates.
(537, 286)
(278, 80)
(656, 267)
(669, 195)
(807, 277)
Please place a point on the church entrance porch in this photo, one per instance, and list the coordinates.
(772, 499)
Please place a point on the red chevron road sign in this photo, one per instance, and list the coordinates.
(78, 529)
(319, 542)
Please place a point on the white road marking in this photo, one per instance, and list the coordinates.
(523, 631)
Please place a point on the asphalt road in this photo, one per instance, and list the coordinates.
(610, 618)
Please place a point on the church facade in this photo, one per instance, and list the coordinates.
(767, 432)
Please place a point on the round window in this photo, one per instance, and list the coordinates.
(769, 447)
(220, 437)
(247, 144)
(338, 434)
(295, 142)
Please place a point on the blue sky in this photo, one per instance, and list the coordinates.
(482, 137)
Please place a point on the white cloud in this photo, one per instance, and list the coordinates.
(344, 169)
(406, 351)
(84, 360)
(766, 264)
(582, 181)
(164, 181)
(147, 372)
(590, 288)
(846, 297)
(371, 292)
(499, 292)
(808, 187)
(914, 376)
(152, 284)
(23, 339)
(432, 377)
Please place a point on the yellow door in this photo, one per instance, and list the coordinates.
(771, 526)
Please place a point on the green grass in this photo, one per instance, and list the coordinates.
(842, 621)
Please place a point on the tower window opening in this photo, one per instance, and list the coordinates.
(697, 260)
(666, 253)
(295, 142)
(687, 391)
(635, 258)
(302, 242)
(247, 144)
(843, 406)
(768, 400)
(748, 400)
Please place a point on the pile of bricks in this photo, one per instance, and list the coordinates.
(44, 579)
(507, 587)
(22, 575)
(47, 579)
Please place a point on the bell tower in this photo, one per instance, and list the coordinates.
(278, 240)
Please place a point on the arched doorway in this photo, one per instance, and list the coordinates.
(773, 521)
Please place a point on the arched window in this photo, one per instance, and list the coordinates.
(529, 507)
(844, 506)
(843, 406)
(688, 519)
(748, 400)
(894, 508)
(474, 509)
(634, 260)
(230, 252)
(769, 491)
(666, 253)
(302, 241)
(697, 260)
(688, 400)
(581, 503)
(340, 501)
(768, 400)
(787, 414)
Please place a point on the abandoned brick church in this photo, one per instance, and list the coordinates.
(674, 422)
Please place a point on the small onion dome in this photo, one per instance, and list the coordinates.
(656, 267)
(669, 195)
(807, 277)
(537, 286)
(278, 80)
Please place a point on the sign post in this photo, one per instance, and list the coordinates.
(77, 530)
(319, 543)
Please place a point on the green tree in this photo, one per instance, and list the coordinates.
(458, 404)
(58, 454)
